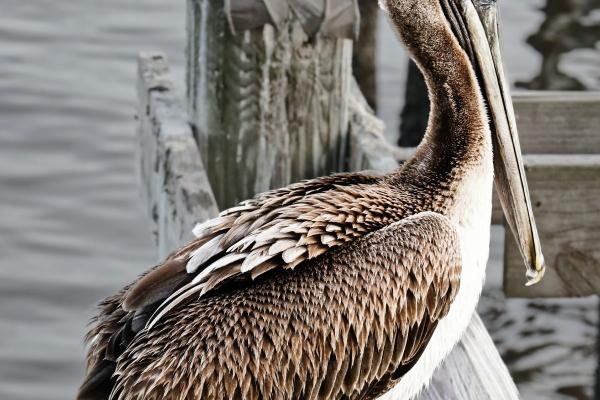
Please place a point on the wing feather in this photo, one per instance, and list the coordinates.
(279, 230)
(286, 227)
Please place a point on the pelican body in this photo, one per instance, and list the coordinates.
(351, 286)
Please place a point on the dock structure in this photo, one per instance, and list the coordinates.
(560, 138)
(271, 100)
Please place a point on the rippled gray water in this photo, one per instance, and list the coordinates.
(72, 229)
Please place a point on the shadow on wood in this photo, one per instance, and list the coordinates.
(364, 52)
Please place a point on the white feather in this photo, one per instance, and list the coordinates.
(383, 6)
(241, 208)
(254, 259)
(172, 302)
(203, 254)
(294, 228)
(220, 263)
(203, 228)
(268, 234)
(325, 239)
(281, 245)
(243, 244)
(292, 254)
(333, 228)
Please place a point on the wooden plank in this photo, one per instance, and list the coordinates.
(558, 122)
(555, 123)
(473, 371)
(174, 182)
(264, 103)
(564, 193)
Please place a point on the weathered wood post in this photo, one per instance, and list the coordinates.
(171, 171)
(267, 90)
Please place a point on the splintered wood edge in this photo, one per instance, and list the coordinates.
(174, 182)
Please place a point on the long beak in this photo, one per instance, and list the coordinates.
(480, 18)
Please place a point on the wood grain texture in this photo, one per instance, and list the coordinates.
(170, 167)
(555, 123)
(262, 98)
(473, 371)
(333, 18)
(564, 194)
(558, 122)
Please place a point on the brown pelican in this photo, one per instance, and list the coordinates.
(343, 287)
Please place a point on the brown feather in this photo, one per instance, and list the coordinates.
(155, 286)
(244, 320)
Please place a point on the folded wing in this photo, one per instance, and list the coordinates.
(277, 230)
(348, 324)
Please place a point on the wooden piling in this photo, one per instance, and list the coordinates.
(266, 102)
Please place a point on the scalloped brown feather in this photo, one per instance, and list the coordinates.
(113, 317)
(368, 309)
(269, 237)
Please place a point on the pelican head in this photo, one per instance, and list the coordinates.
(474, 24)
